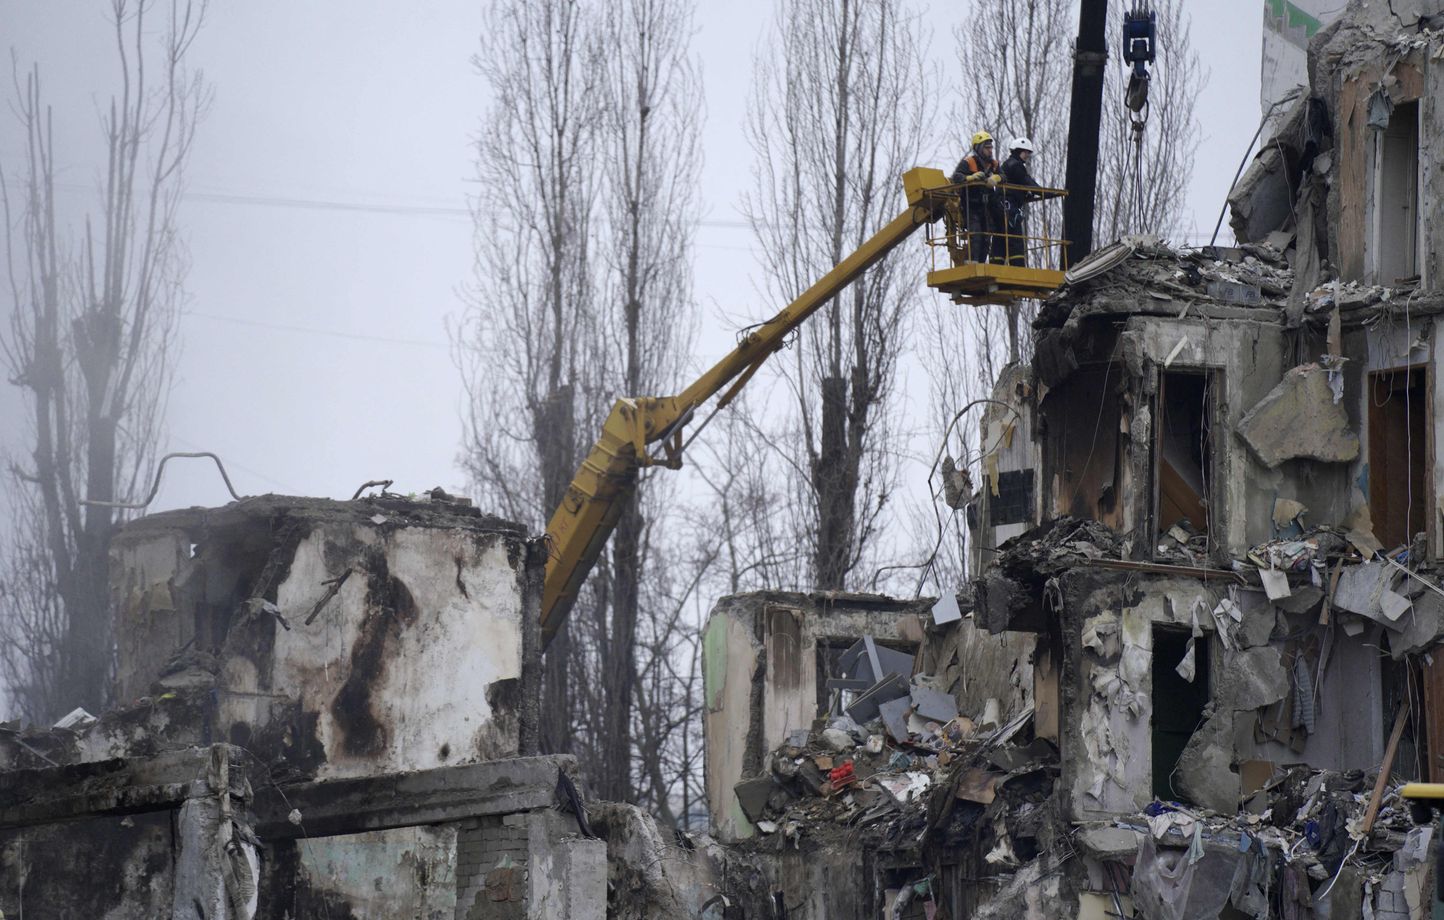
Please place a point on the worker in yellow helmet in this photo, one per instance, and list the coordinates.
(982, 206)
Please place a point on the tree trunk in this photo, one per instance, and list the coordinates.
(555, 437)
(831, 483)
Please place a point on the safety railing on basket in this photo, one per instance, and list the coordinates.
(1003, 224)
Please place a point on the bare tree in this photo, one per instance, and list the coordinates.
(587, 164)
(93, 322)
(742, 509)
(839, 112)
(650, 156)
(950, 437)
(530, 347)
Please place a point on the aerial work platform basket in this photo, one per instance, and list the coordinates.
(985, 257)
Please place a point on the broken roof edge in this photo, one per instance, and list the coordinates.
(1145, 275)
(396, 510)
(1247, 282)
(824, 600)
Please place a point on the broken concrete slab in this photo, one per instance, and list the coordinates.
(752, 796)
(1421, 626)
(1253, 678)
(1299, 419)
(1393, 605)
(894, 718)
(1108, 841)
(934, 705)
(1205, 769)
(865, 708)
(1360, 586)
(1256, 627)
(836, 739)
(1303, 599)
(1367, 589)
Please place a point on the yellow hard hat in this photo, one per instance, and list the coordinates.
(982, 137)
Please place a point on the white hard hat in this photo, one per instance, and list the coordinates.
(1021, 143)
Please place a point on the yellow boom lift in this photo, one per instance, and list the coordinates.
(579, 528)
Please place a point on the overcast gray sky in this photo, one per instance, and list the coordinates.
(327, 225)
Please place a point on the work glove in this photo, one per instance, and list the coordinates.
(994, 179)
(975, 176)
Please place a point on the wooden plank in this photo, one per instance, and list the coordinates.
(1161, 568)
(1385, 769)
(1433, 680)
(1328, 607)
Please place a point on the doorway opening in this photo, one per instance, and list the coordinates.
(1183, 455)
(1178, 703)
(1398, 200)
(1398, 454)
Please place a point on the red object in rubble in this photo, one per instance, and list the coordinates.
(841, 776)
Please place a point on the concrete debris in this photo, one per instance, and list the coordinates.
(946, 610)
(76, 720)
(1109, 841)
(752, 795)
(1299, 419)
(836, 740)
(1254, 678)
(1205, 771)
(934, 705)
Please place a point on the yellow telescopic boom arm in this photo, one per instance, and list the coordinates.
(579, 528)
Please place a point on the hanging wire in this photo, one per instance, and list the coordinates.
(1138, 120)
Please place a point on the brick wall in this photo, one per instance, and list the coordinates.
(485, 848)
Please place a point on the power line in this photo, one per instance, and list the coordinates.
(455, 213)
(326, 204)
(311, 330)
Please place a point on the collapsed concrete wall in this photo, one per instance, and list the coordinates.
(323, 707)
(346, 637)
(1350, 182)
(766, 661)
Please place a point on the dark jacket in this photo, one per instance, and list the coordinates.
(1015, 172)
(973, 163)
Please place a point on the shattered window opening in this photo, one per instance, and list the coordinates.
(1397, 208)
(830, 650)
(1398, 458)
(1183, 458)
(1178, 704)
(1014, 502)
(1083, 458)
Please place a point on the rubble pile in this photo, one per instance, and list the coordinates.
(862, 776)
(897, 769)
(1144, 275)
(1281, 856)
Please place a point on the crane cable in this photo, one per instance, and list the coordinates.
(1138, 124)
(1139, 40)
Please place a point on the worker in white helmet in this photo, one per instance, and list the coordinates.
(1018, 179)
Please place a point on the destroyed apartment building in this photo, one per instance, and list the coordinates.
(1207, 536)
(328, 711)
(1212, 505)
